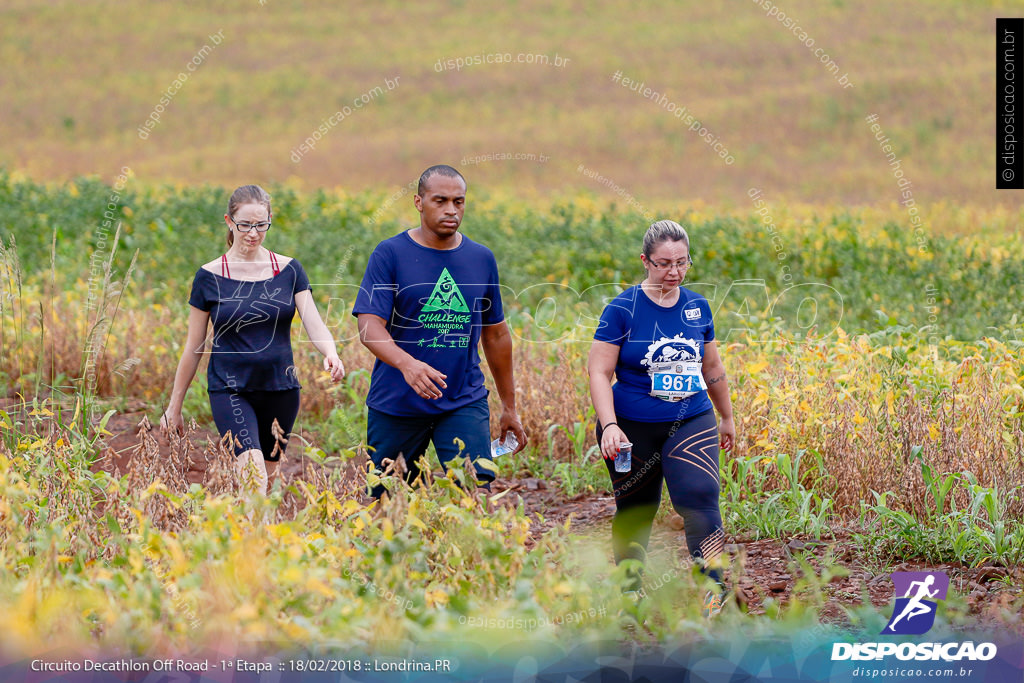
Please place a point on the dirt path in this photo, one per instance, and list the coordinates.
(762, 569)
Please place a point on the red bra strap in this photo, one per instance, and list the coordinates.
(224, 270)
(273, 264)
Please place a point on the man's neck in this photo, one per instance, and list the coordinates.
(428, 239)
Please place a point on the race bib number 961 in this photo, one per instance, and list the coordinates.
(674, 381)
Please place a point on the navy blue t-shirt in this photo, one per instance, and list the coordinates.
(252, 349)
(435, 303)
(660, 351)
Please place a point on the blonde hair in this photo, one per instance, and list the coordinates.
(663, 231)
(246, 194)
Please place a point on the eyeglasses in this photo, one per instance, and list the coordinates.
(262, 226)
(668, 265)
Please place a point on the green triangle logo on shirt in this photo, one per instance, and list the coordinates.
(446, 296)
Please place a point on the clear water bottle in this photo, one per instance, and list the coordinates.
(624, 457)
(501, 447)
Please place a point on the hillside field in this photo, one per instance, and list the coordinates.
(517, 95)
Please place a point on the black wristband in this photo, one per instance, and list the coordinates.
(609, 425)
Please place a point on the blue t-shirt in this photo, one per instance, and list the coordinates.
(435, 303)
(660, 351)
(252, 349)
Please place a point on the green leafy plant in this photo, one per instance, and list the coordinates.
(751, 504)
(975, 534)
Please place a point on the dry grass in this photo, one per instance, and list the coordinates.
(808, 397)
(860, 407)
(839, 400)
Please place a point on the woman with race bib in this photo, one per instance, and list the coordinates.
(658, 340)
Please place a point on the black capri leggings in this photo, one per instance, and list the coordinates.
(250, 415)
(683, 454)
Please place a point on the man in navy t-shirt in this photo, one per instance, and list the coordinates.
(428, 296)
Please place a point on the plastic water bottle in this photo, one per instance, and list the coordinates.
(624, 457)
(500, 447)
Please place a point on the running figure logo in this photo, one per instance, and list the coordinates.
(914, 613)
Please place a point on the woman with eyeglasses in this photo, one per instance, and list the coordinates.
(658, 340)
(250, 295)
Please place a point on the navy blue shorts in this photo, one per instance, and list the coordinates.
(250, 415)
(389, 436)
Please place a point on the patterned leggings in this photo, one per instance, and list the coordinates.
(684, 454)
